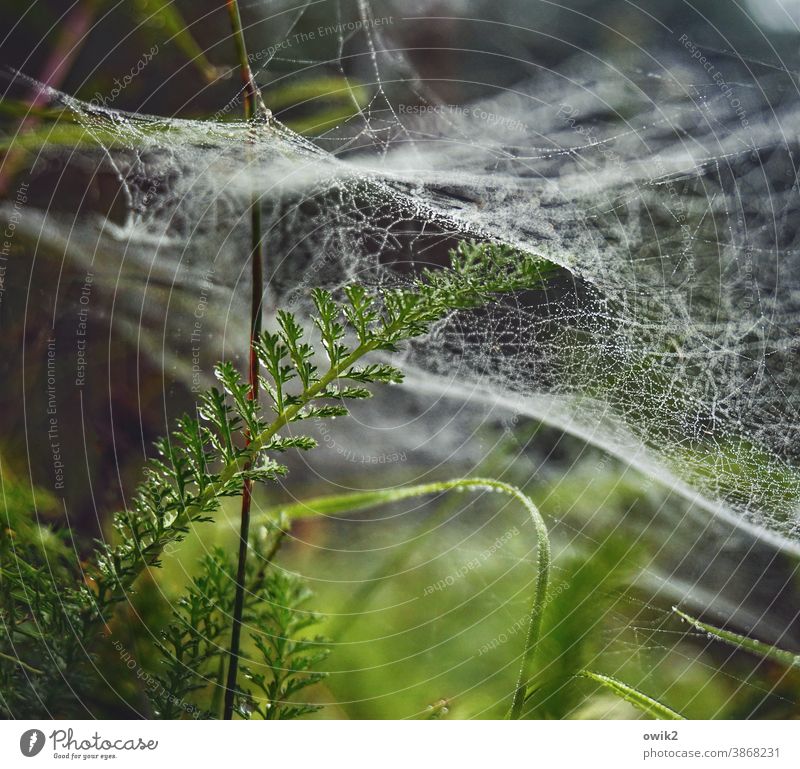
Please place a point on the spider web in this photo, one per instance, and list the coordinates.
(668, 338)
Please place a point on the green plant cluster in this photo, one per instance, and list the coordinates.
(232, 438)
(56, 606)
(193, 647)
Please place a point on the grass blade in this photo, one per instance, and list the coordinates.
(345, 503)
(639, 700)
(759, 648)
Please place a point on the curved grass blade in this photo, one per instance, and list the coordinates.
(639, 700)
(761, 649)
(343, 503)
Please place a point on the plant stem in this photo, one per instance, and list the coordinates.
(363, 500)
(22, 664)
(253, 106)
(253, 103)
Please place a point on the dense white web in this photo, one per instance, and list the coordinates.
(666, 196)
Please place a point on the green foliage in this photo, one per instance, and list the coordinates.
(288, 659)
(42, 634)
(193, 650)
(336, 504)
(207, 459)
(192, 645)
(579, 601)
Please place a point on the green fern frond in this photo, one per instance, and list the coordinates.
(192, 645)
(208, 459)
(230, 439)
(288, 658)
